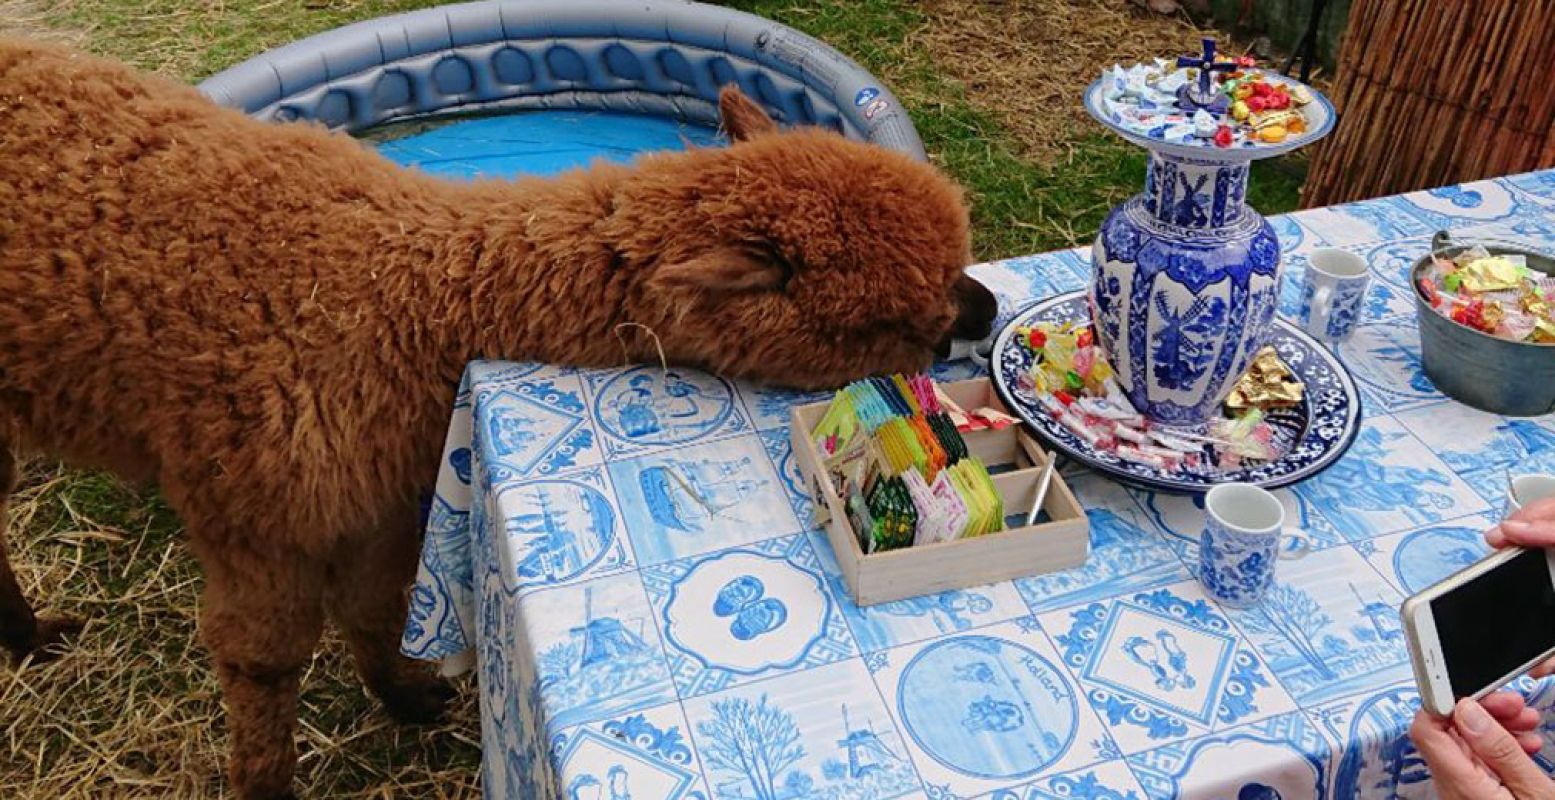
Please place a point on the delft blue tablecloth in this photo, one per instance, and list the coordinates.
(630, 556)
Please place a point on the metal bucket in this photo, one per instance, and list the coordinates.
(1516, 379)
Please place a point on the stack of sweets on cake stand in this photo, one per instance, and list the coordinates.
(1186, 275)
(1172, 372)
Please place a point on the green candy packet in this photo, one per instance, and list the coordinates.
(949, 438)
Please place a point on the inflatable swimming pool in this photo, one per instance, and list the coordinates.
(599, 78)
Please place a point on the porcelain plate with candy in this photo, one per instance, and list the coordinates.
(1229, 112)
(1307, 434)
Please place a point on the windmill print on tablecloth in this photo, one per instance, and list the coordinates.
(760, 746)
(867, 754)
(792, 739)
(604, 638)
(602, 665)
(1381, 616)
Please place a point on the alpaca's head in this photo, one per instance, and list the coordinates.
(798, 257)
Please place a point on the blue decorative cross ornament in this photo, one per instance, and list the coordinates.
(1191, 97)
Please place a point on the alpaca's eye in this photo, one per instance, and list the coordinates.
(774, 256)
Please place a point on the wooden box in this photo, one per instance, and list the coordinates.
(874, 578)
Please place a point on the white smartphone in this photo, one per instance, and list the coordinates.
(1481, 627)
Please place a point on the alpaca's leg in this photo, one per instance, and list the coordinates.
(261, 616)
(367, 599)
(20, 632)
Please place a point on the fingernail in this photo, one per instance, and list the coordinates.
(1516, 526)
(1472, 717)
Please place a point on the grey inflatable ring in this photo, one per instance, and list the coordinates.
(663, 57)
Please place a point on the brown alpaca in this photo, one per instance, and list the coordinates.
(270, 322)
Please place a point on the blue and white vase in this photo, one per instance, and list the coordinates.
(1185, 286)
(1186, 275)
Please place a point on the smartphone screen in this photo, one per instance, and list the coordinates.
(1496, 622)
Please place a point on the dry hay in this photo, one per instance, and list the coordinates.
(28, 18)
(1029, 61)
(133, 708)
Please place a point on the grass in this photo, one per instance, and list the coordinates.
(133, 710)
(1022, 202)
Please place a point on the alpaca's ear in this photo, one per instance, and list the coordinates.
(741, 117)
(725, 270)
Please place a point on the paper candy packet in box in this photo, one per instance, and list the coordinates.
(900, 463)
(1495, 294)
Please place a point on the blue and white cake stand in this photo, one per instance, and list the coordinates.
(1185, 274)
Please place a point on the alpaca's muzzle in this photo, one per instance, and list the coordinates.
(976, 309)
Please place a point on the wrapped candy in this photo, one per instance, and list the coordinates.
(1204, 125)
(1138, 456)
(1268, 384)
(1494, 294)
(1247, 436)
(1143, 100)
(1071, 381)
(1107, 408)
(1285, 120)
(1128, 434)
(1493, 274)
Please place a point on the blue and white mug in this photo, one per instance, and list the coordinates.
(1334, 294)
(1243, 525)
(1523, 490)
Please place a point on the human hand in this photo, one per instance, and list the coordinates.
(1534, 527)
(1512, 711)
(1473, 756)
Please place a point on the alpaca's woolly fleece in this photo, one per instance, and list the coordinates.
(270, 321)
